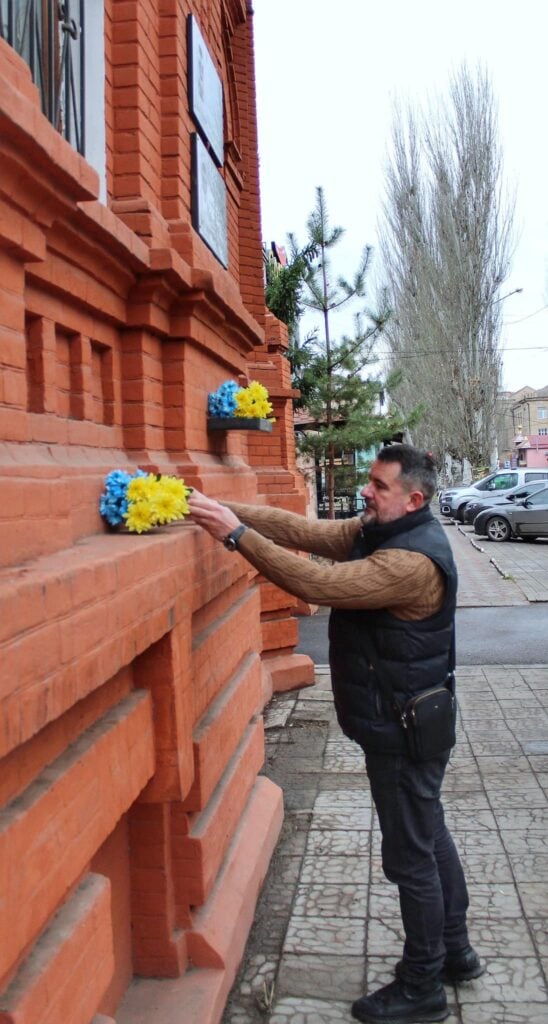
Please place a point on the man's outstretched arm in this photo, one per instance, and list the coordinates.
(407, 583)
(327, 538)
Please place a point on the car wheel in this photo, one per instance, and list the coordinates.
(459, 514)
(497, 529)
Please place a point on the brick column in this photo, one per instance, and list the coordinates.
(251, 260)
(136, 160)
(281, 485)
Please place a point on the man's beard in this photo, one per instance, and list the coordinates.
(369, 515)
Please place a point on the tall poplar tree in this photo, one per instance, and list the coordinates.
(445, 246)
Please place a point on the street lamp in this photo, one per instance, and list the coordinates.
(516, 291)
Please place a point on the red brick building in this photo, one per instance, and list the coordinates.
(135, 829)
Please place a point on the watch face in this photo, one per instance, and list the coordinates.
(231, 540)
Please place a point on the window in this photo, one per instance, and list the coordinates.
(48, 34)
(540, 498)
(542, 412)
(504, 481)
(540, 475)
(543, 431)
(94, 73)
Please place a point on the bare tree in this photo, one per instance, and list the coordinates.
(445, 243)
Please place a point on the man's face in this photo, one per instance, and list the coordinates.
(386, 498)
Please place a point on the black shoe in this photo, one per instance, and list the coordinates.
(397, 1004)
(463, 966)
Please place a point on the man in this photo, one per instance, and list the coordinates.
(392, 591)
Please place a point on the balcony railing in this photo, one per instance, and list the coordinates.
(49, 35)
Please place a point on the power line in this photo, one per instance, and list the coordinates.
(437, 351)
(510, 323)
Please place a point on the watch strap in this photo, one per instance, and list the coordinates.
(231, 540)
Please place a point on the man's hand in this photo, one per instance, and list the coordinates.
(212, 516)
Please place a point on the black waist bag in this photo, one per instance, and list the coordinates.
(429, 721)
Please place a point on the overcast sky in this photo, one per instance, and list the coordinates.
(328, 72)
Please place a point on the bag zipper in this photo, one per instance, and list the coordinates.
(423, 696)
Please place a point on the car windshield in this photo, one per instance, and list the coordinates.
(482, 480)
(487, 484)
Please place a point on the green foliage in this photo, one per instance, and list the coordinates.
(284, 285)
(342, 395)
(307, 368)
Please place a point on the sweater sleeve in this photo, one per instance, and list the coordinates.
(404, 582)
(327, 538)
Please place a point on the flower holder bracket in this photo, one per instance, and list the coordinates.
(238, 423)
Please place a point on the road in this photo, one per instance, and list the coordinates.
(508, 631)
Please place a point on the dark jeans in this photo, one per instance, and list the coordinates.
(419, 855)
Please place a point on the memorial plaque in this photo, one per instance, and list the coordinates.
(205, 91)
(209, 201)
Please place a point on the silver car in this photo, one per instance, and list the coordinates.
(454, 501)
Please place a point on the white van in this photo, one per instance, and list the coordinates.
(454, 501)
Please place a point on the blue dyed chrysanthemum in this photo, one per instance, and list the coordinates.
(222, 402)
(113, 502)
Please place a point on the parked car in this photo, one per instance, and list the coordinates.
(454, 500)
(527, 519)
(473, 508)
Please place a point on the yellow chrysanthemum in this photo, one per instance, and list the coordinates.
(253, 401)
(165, 507)
(257, 390)
(139, 517)
(172, 484)
(176, 487)
(141, 488)
(155, 500)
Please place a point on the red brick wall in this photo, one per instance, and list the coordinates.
(134, 669)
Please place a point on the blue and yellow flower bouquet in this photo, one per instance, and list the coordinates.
(140, 501)
(232, 403)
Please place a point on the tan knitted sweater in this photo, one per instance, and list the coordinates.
(406, 583)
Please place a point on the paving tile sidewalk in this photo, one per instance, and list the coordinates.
(327, 926)
(480, 584)
(519, 565)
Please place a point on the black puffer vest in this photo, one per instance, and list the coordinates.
(411, 655)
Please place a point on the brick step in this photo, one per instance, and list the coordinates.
(219, 731)
(220, 644)
(217, 940)
(290, 672)
(65, 974)
(69, 621)
(222, 925)
(76, 792)
(198, 854)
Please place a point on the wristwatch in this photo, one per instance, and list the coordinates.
(231, 540)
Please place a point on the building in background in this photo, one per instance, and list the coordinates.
(523, 427)
(136, 829)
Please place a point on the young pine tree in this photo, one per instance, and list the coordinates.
(342, 396)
